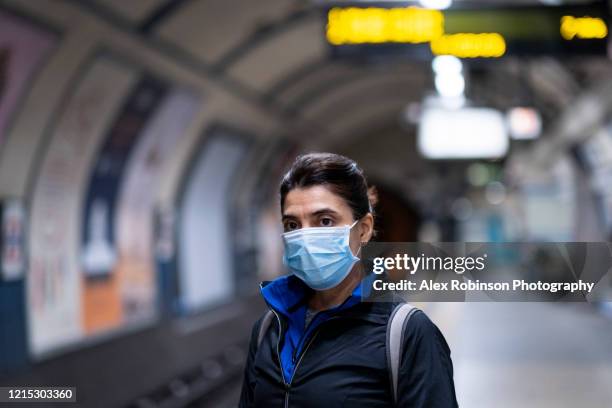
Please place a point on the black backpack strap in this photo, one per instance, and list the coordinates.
(266, 321)
(395, 333)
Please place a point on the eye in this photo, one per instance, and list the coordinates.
(290, 225)
(327, 222)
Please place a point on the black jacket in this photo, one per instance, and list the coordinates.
(344, 365)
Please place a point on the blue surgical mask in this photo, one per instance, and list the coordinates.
(320, 256)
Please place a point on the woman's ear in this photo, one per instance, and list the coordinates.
(366, 228)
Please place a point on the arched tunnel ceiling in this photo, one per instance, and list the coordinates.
(134, 11)
(316, 85)
(275, 51)
(368, 90)
(280, 55)
(211, 29)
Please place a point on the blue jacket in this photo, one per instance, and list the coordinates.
(339, 360)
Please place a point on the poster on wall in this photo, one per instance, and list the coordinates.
(549, 204)
(54, 286)
(136, 207)
(103, 306)
(204, 228)
(23, 48)
(597, 150)
(91, 236)
(98, 243)
(12, 246)
(130, 282)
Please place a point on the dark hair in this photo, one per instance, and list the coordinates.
(337, 173)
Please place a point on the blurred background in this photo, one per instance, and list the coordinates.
(142, 141)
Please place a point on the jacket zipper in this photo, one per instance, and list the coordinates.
(280, 335)
(310, 341)
(287, 385)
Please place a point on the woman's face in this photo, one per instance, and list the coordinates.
(316, 206)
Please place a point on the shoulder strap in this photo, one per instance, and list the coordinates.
(263, 327)
(395, 331)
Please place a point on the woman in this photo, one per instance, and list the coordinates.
(325, 347)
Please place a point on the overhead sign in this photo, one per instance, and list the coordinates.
(371, 31)
(466, 133)
(356, 25)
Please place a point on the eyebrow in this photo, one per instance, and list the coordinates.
(322, 211)
(325, 211)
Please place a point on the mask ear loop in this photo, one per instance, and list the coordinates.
(359, 250)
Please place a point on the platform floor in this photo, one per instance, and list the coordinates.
(528, 354)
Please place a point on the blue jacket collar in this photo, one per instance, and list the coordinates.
(284, 293)
(287, 292)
